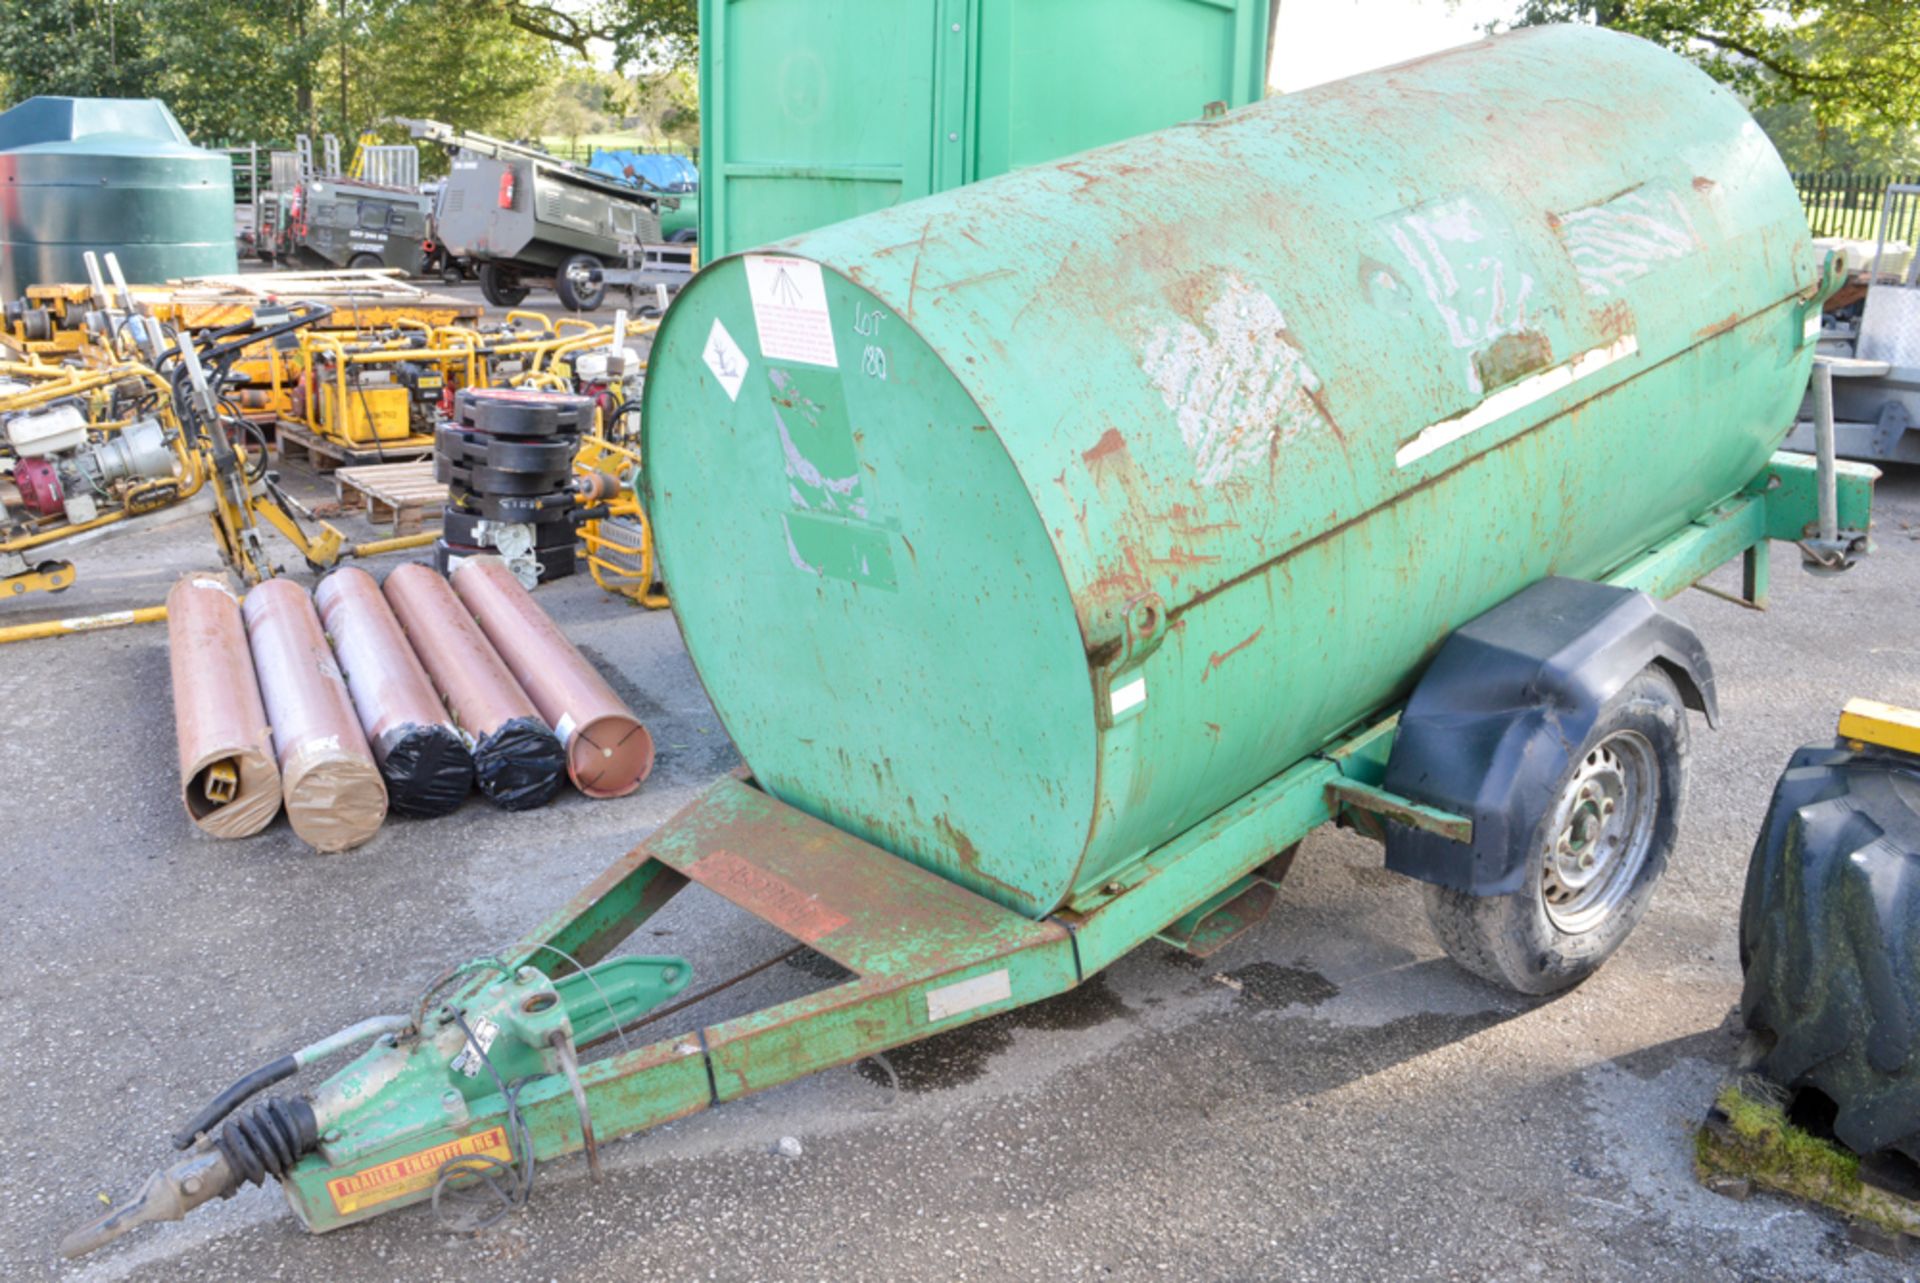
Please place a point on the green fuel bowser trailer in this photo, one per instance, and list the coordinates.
(1061, 549)
(817, 110)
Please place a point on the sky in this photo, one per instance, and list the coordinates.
(1320, 40)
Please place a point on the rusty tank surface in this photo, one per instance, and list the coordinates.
(331, 785)
(1021, 528)
(229, 780)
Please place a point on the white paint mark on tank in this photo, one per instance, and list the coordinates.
(1621, 240)
(1509, 400)
(1237, 387)
(1476, 285)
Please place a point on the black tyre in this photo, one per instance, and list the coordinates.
(581, 283)
(500, 285)
(365, 262)
(1830, 940)
(1596, 855)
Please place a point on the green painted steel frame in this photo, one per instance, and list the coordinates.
(911, 937)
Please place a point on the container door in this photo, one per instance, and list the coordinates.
(812, 111)
(1060, 76)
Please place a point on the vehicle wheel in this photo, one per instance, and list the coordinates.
(579, 283)
(1596, 854)
(365, 262)
(1830, 940)
(501, 285)
(685, 236)
(451, 274)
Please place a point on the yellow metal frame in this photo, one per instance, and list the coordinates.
(597, 454)
(1868, 721)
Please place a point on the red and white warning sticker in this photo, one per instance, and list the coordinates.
(790, 310)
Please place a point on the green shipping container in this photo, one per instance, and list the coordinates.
(813, 111)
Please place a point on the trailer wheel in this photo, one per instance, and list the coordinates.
(501, 285)
(365, 262)
(1596, 854)
(580, 284)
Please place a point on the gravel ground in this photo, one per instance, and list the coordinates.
(1327, 1099)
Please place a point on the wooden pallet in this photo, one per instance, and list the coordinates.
(403, 495)
(323, 454)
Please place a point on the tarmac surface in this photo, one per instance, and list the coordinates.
(1328, 1098)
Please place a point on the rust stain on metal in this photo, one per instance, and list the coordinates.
(1718, 328)
(1512, 357)
(968, 854)
(1615, 319)
(767, 895)
(920, 252)
(1704, 184)
(1109, 444)
(1220, 657)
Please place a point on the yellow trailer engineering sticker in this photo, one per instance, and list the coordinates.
(411, 1173)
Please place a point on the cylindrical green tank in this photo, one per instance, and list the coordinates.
(1021, 528)
(108, 174)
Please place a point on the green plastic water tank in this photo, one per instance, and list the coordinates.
(1022, 528)
(812, 111)
(102, 174)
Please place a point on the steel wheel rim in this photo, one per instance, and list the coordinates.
(1601, 832)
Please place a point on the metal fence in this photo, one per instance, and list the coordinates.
(1842, 204)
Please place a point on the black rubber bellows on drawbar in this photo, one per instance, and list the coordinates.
(507, 460)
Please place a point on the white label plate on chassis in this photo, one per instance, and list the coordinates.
(963, 996)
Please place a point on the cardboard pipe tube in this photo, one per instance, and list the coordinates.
(229, 781)
(424, 760)
(516, 760)
(608, 750)
(334, 795)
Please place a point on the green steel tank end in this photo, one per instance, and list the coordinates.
(501, 1030)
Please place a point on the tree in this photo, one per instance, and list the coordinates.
(1851, 64)
(265, 70)
(642, 32)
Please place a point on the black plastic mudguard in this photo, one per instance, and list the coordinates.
(1495, 720)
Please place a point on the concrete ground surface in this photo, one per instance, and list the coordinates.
(1329, 1098)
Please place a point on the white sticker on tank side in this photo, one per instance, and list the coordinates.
(790, 310)
(1236, 386)
(724, 357)
(1510, 399)
(1124, 699)
(968, 995)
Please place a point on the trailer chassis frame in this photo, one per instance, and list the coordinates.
(924, 954)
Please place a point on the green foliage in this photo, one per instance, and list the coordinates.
(265, 70)
(1850, 66)
(1808, 146)
(643, 33)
